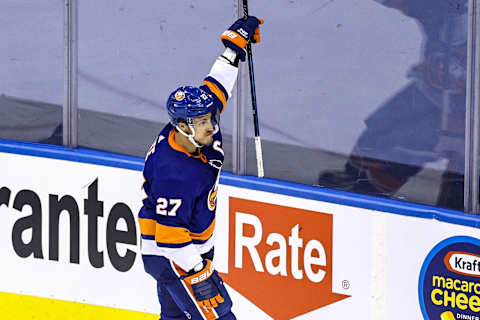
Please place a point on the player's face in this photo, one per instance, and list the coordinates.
(204, 129)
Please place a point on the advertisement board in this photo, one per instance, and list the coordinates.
(68, 232)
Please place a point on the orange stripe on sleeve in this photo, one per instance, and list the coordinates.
(216, 90)
(205, 235)
(171, 235)
(234, 37)
(147, 226)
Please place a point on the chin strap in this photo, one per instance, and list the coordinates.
(190, 136)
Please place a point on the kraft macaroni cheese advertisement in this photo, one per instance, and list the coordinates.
(449, 285)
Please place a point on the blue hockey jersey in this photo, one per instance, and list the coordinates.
(177, 219)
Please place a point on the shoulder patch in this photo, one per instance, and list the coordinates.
(212, 195)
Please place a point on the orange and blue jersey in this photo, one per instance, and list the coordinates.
(177, 219)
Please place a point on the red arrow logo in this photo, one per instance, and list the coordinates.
(280, 258)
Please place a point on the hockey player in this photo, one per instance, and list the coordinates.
(181, 172)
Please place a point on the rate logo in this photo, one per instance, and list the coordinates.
(285, 251)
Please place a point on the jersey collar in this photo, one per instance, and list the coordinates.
(177, 147)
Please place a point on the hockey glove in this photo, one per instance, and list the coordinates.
(204, 288)
(242, 31)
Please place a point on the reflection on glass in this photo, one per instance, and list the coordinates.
(423, 122)
(31, 70)
(131, 56)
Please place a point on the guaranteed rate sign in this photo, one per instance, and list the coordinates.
(29, 201)
(280, 258)
(68, 232)
(449, 285)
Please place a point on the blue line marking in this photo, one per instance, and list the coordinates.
(269, 185)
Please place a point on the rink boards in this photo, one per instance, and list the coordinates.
(69, 244)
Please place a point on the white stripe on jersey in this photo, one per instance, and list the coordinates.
(224, 73)
(186, 257)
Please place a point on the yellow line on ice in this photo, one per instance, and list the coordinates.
(20, 307)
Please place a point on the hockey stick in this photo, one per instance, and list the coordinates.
(258, 142)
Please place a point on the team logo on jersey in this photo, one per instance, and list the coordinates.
(212, 195)
(179, 95)
(212, 198)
